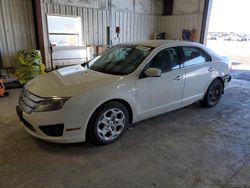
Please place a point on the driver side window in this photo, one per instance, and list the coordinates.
(165, 60)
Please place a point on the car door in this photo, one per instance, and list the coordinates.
(198, 73)
(156, 95)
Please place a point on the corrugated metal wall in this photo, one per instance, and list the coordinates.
(17, 25)
(16, 28)
(137, 6)
(173, 25)
(133, 26)
(187, 14)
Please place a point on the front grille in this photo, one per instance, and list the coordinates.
(28, 102)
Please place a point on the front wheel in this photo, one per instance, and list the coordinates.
(108, 123)
(213, 94)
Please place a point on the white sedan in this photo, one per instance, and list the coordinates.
(126, 84)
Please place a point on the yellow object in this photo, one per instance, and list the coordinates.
(29, 65)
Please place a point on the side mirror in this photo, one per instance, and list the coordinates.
(152, 72)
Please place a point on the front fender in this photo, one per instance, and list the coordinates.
(85, 104)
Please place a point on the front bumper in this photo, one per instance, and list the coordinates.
(227, 78)
(51, 126)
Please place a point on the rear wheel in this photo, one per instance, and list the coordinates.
(108, 123)
(213, 94)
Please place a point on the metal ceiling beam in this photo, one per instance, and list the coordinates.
(37, 10)
(168, 7)
(205, 20)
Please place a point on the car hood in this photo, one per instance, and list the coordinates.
(68, 82)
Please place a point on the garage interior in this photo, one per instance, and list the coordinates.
(189, 147)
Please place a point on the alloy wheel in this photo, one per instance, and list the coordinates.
(214, 93)
(111, 124)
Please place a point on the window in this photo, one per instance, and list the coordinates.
(165, 60)
(194, 56)
(120, 60)
(64, 30)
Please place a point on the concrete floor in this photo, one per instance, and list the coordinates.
(191, 147)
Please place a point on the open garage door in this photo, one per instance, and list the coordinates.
(229, 34)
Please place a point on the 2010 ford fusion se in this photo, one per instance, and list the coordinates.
(126, 84)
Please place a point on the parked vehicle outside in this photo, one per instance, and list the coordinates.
(228, 36)
(125, 84)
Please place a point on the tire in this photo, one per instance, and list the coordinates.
(213, 94)
(108, 123)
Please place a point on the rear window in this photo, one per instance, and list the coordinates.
(194, 56)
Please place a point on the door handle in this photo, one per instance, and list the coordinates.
(211, 69)
(178, 78)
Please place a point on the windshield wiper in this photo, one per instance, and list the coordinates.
(85, 64)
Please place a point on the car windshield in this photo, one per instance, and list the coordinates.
(120, 60)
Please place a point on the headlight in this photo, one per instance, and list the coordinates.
(50, 104)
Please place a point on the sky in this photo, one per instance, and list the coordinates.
(230, 16)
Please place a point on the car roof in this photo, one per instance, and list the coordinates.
(157, 43)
